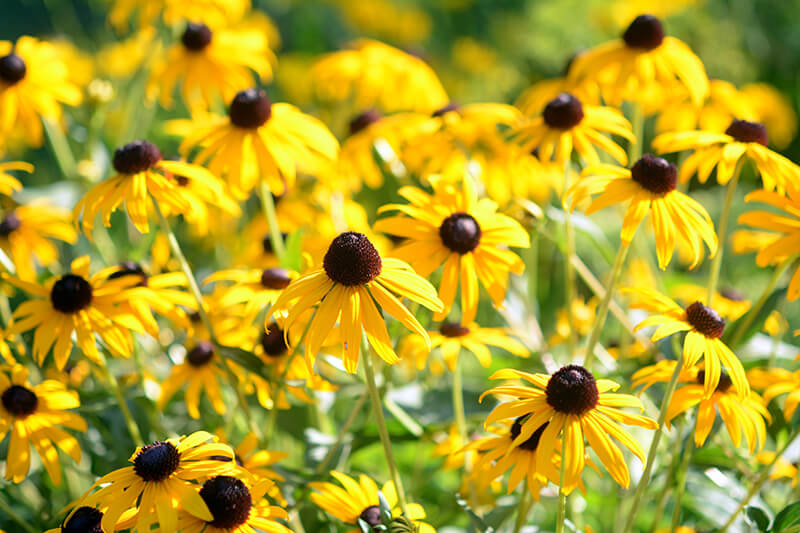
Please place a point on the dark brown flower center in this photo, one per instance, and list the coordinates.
(20, 401)
(748, 132)
(229, 501)
(70, 294)
(563, 112)
(724, 384)
(157, 461)
(275, 278)
(273, 341)
(572, 390)
(371, 515)
(705, 320)
(201, 354)
(12, 68)
(363, 120)
(452, 106)
(655, 174)
(451, 329)
(266, 243)
(352, 260)
(135, 157)
(131, 268)
(533, 440)
(250, 109)
(196, 36)
(645, 32)
(460, 232)
(9, 224)
(84, 520)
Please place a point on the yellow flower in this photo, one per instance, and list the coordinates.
(740, 415)
(649, 186)
(142, 175)
(782, 468)
(359, 500)
(164, 475)
(643, 56)
(257, 141)
(255, 288)
(34, 82)
(8, 183)
(368, 74)
(352, 280)
(78, 303)
(566, 124)
(452, 338)
(724, 104)
(576, 406)
(727, 302)
(257, 462)
(725, 151)
(774, 110)
(124, 58)
(214, 12)
(201, 370)
(402, 23)
(25, 233)
(467, 235)
(88, 519)
(35, 416)
(211, 64)
(780, 381)
(583, 314)
(785, 228)
(704, 328)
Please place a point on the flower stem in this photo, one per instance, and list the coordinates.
(61, 149)
(637, 125)
(716, 265)
(275, 237)
(602, 310)
(326, 461)
(562, 496)
(742, 328)
(377, 407)
(458, 402)
(651, 454)
(569, 269)
(13, 515)
(760, 481)
(680, 481)
(133, 427)
(523, 508)
(175, 247)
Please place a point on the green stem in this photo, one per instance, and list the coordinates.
(377, 408)
(458, 402)
(602, 310)
(133, 427)
(13, 515)
(326, 461)
(751, 315)
(680, 482)
(175, 247)
(662, 499)
(275, 237)
(532, 270)
(61, 149)
(651, 454)
(760, 481)
(523, 508)
(562, 496)
(716, 265)
(637, 125)
(569, 271)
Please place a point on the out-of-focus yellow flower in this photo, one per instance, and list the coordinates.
(400, 23)
(583, 314)
(723, 104)
(615, 14)
(781, 469)
(215, 12)
(727, 302)
(746, 241)
(775, 324)
(774, 110)
(123, 58)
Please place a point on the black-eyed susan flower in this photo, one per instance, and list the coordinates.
(142, 175)
(258, 462)
(779, 381)
(366, 74)
(452, 227)
(649, 187)
(145, 12)
(34, 83)
(37, 415)
(703, 327)
(200, 371)
(161, 480)
(256, 288)
(643, 56)
(235, 508)
(211, 65)
(352, 280)
(724, 151)
(774, 110)
(740, 415)
(258, 140)
(566, 124)
(729, 303)
(784, 227)
(88, 519)
(26, 232)
(575, 406)
(8, 183)
(359, 500)
(76, 303)
(497, 455)
(723, 104)
(452, 338)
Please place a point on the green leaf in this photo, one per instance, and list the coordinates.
(788, 516)
(245, 359)
(293, 258)
(757, 517)
(478, 523)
